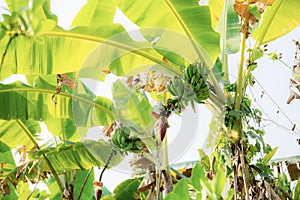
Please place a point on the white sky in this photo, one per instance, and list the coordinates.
(272, 75)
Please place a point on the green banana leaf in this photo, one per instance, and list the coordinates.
(6, 154)
(95, 13)
(133, 110)
(65, 128)
(228, 26)
(14, 133)
(123, 56)
(25, 102)
(278, 20)
(127, 190)
(80, 155)
(178, 15)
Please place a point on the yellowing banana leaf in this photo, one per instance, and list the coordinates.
(14, 133)
(186, 17)
(123, 56)
(16, 5)
(81, 155)
(25, 102)
(278, 20)
(95, 13)
(55, 52)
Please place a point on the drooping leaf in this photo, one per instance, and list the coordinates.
(56, 51)
(132, 108)
(13, 134)
(178, 15)
(191, 14)
(25, 102)
(127, 190)
(80, 155)
(278, 20)
(181, 191)
(123, 56)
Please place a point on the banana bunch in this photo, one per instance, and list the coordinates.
(122, 140)
(197, 80)
(181, 91)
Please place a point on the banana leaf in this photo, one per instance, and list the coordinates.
(95, 13)
(278, 20)
(6, 154)
(25, 102)
(134, 111)
(228, 25)
(80, 155)
(186, 17)
(132, 108)
(123, 56)
(14, 133)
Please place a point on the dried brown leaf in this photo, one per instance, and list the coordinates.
(147, 183)
(293, 170)
(167, 180)
(107, 130)
(4, 188)
(67, 81)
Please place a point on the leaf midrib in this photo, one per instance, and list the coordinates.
(91, 103)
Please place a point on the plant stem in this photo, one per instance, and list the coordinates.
(73, 183)
(84, 183)
(224, 41)
(239, 92)
(243, 166)
(28, 133)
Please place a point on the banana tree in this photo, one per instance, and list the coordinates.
(182, 61)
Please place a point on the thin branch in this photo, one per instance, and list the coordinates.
(84, 183)
(107, 163)
(274, 102)
(73, 183)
